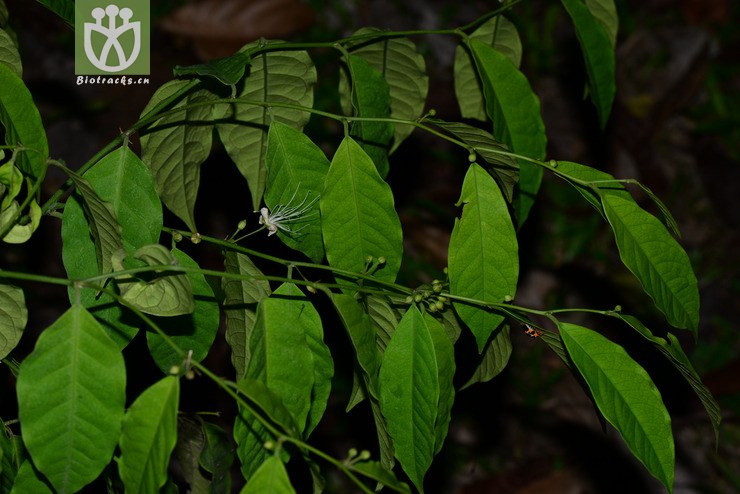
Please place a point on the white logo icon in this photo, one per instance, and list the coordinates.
(112, 32)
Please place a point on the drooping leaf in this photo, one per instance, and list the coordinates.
(277, 76)
(123, 181)
(385, 442)
(445, 357)
(13, 317)
(71, 396)
(29, 480)
(175, 146)
(606, 13)
(20, 233)
(22, 122)
(409, 394)
(384, 318)
(217, 457)
(148, 437)
(483, 254)
(240, 305)
(598, 54)
(514, 110)
(192, 332)
(502, 35)
(9, 53)
(226, 70)
(370, 99)
(656, 259)
(671, 349)
(403, 68)
(504, 169)
(271, 477)
(626, 396)
(494, 359)
(358, 216)
(65, 9)
(167, 294)
(188, 448)
(12, 455)
(374, 470)
(296, 172)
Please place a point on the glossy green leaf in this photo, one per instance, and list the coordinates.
(175, 146)
(515, 111)
(65, 9)
(227, 70)
(598, 54)
(192, 332)
(29, 480)
(606, 13)
(445, 357)
(167, 294)
(502, 35)
(656, 259)
(483, 254)
(374, 470)
(278, 76)
(403, 68)
(384, 317)
(494, 358)
(103, 223)
(371, 99)
(451, 324)
(626, 396)
(20, 233)
(504, 169)
(671, 349)
(296, 169)
(217, 457)
(9, 54)
(13, 317)
(71, 396)
(123, 181)
(358, 215)
(241, 297)
(270, 477)
(409, 394)
(148, 437)
(22, 122)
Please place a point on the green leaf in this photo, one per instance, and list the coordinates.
(374, 470)
(71, 396)
(148, 437)
(499, 33)
(167, 294)
(403, 68)
(63, 8)
(217, 457)
(288, 354)
(193, 332)
(270, 477)
(296, 169)
(20, 233)
(175, 146)
(241, 297)
(227, 70)
(23, 126)
(384, 317)
(515, 111)
(13, 317)
(278, 76)
(29, 480)
(10, 459)
(409, 394)
(370, 99)
(503, 168)
(190, 443)
(656, 259)
(494, 359)
(626, 396)
(483, 253)
(123, 181)
(671, 349)
(9, 54)
(445, 356)
(606, 13)
(598, 54)
(358, 216)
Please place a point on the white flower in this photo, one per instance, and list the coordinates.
(282, 215)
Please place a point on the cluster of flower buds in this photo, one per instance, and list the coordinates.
(429, 295)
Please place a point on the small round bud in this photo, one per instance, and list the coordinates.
(618, 308)
(365, 455)
(269, 445)
(508, 298)
(195, 238)
(426, 293)
(471, 157)
(409, 299)
(368, 259)
(439, 305)
(432, 308)
(352, 452)
(418, 298)
(174, 370)
(437, 287)
(444, 300)
(381, 260)
(432, 112)
(241, 225)
(190, 375)
(177, 236)
(445, 270)
(553, 163)
(311, 288)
